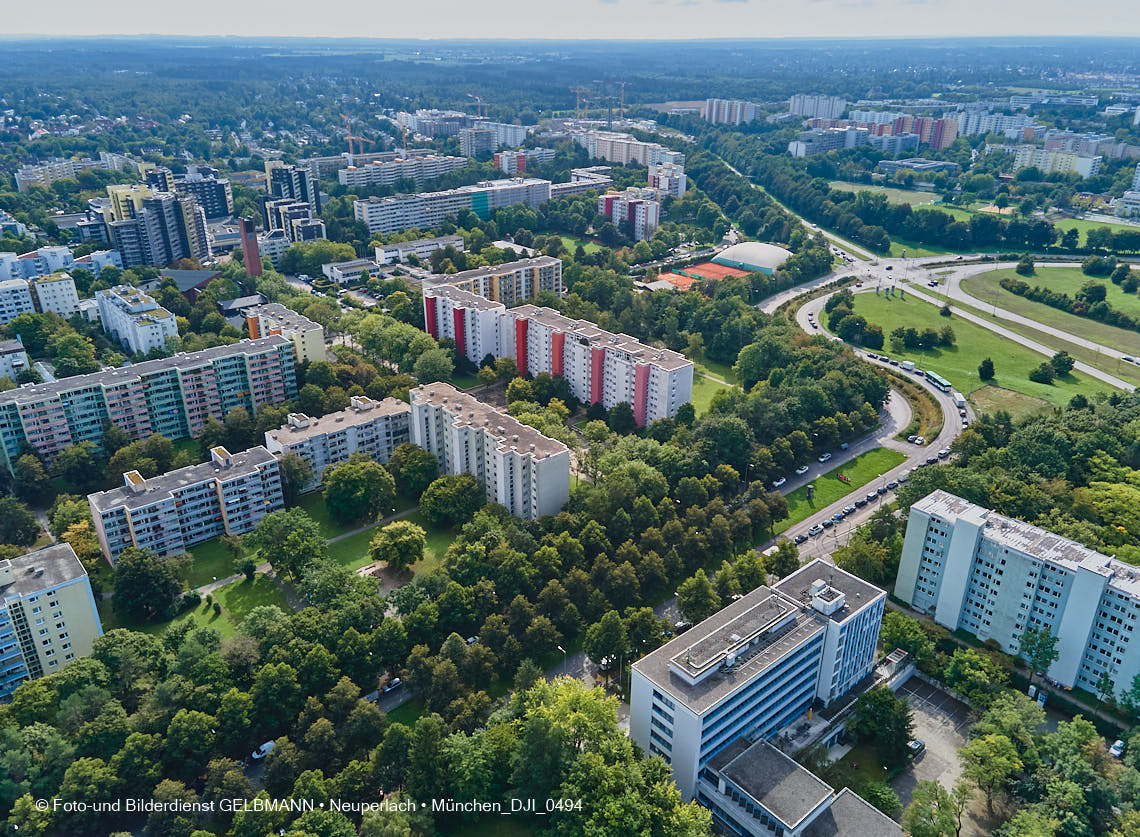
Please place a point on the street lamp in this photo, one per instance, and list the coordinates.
(563, 650)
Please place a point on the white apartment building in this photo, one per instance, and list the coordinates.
(1050, 162)
(47, 615)
(13, 359)
(135, 319)
(508, 283)
(974, 569)
(15, 299)
(729, 111)
(518, 467)
(388, 172)
(816, 106)
(518, 162)
(56, 293)
(39, 262)
(307, 337)
(637, 207)
(1127, 206)
(421, 248)
(601, 367)
(753, 668)
(624, 148)
(375, 428)
(429, 209)
(272, 245)
(583, 180)
(1136, 178)
(169, 513)
(668, 179)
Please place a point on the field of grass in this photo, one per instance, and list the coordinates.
(465, 381)
(959, 363)
(1084, 226)
(894, 195)
(914, 250)
(960, 213)
(352, 551)
(715, 369)
(571, 243)
(209, 562)
(703, 391)
(992, 399)
(242, 597)
(829, 488)
(1067, 280)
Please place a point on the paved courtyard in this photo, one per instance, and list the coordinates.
(940, 721)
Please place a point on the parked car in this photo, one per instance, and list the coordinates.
(838, 516)
(1117, 749)
(872, 356)
(862, 501)
(263, 751)
(945, 452)
(881, 491)
(825, 457)
(392, 685)
(849, 510)
(892, 485)
(965, 424)
(932, 460)
(893, 362)
(827, 524)
(911, 438)
(884, 359)
(815, 325)
(1127, 358)
(800, 538)
(682, 626)
(872, 497)
(903, 477)
(920, 441)
(800, 471)
(815, 530)
(916, 747)
(471, 640)
(843, 446)
(780, 482)
(890, 267)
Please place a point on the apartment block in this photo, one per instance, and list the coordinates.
(518, 467)
(388, 172)
(429, 209)
(41, 262)
(9, 225)
(325, 168)
(668, 179)
(517, 162)
(15, 299)
(752, 669)
(13, 359)
(44, 174)
(173, 396)
(1050, 162)
(638, 208)
(272, 245)
(135, 319)
(421, 248)
(294, 218)
(375, 428)
(169, 513)
(729, 112)
(509, 283)
(56, 293)
(155, 228)
(583, 180)
(976, 570)
(816, 105)
(624, 148)
(477, 140)
(307, 337)
(47, 615)
(601, 367)
(291, 181)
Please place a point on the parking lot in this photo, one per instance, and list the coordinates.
(940, 721)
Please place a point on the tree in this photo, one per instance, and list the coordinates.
(1038, 647)
(606, 639)
(696, 598)
(784, 561)
(1043, 374)
(884, 720)
(399, 544)
(17, 524)
(990, 762)
(146, 584)
(900, 631)
(359, 489)
(31, 481)
(986, 369)
(452, 499)
(80, 466)
(189, 743)
(506, 368)
(486, 375)
(1025, 266)
(930, 813)
(296, 475)
(1062, 363)
(433, 365)
(622, 420)
(413, 469)
(289, 540)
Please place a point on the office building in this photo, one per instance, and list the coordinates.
(509, 283)
(1127, 206)
(389, 172)
(155, 228)
(289, 181)
(47, 615)
(753, 668)
(518, 467)
(167, 514)
(583, 180)
(173, 396)
(375, 428)
(668, 179)
(350, 271)
(56, 293)
(41, 262)
(429, 209)
(635, 212)
(421, 248)
(1051, 162)
(478, 140)
(754, 790)
(919, 165)
(15, 299)
(729, 111)
(307, 337)
(601, 367)
(624, 148)
(973, 569)
(518, 162)
(1033, 100)
(135, 319)
(13, 359)
(815, 105)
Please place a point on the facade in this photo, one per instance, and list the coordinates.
(974, 569)
(583, 180)
(47, 615)
(15, 299)
(375, 428)
(324, 168)
(668, 179)
(822, 140)
(45, 174)
(477, 140)
(435, 123)
(388, 172)
(751, 669)
(167, 514)
(173, 396)
(295, 182)
(429, 209)
(1050, 162)
(99, 259)
(13, 359)
(729, 111)
(602, 368)
(508, 283)
(972, 123)
(155, 228)
(56, 293)
(41, 262)
(895, 144)
(639, 208)
(421, 248)
(212, 193)
(1127, 206)
(272, 245)
(816, 105)
(517, 162)
(9, 225)
(624, 148)
(307, 337)
(293, 217)
(350, 271)
(135, 319)
(251, 253)
(518, 467)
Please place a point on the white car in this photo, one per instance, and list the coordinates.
(800, 471)
(263, 751)
(1117, 749)
(921, 440)
(825, 457)
(780, 482)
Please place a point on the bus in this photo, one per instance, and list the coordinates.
(938, 380)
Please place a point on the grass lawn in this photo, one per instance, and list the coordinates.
(191, 445)
(959, 363)
(465, 381)
(959, 213)
(1084, 226)
(408, 713)
(715, 369)
(703, 391)
(314, 504)
(914, 249)
(352, 551)
(894, 195)
(829, 488)
(992, 399)
(240, 598)
(859, 767)
(209, 561)
(571, 243)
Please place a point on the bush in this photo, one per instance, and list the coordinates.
(986, 370)
(1043, 374)
(1025, 267)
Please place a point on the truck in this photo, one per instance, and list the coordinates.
(908, 365)
(959, 399)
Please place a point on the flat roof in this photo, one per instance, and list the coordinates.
(8, 347)
(163, 485)
(492, 270)
(850, 815)
(468, 410)
(58, 563)
(286, 316)
(856, 591)
(291, 434)
(110, 377)
(786, 789)
(464, 298)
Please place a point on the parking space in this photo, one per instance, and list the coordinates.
(940, 721)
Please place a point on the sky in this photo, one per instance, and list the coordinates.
(556, 19)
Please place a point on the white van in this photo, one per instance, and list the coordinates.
(908, 365)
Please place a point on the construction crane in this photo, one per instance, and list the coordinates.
(350, 137)
(578, 91)
(621, 107)
(480, 107)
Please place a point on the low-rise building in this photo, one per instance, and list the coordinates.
(135, 319)
(167, 514)
(350, 271)
(921, 165)
(421, 248)
(375, 428)
(307, 337)
(519, 468)
(13, 359)
(47, 615)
